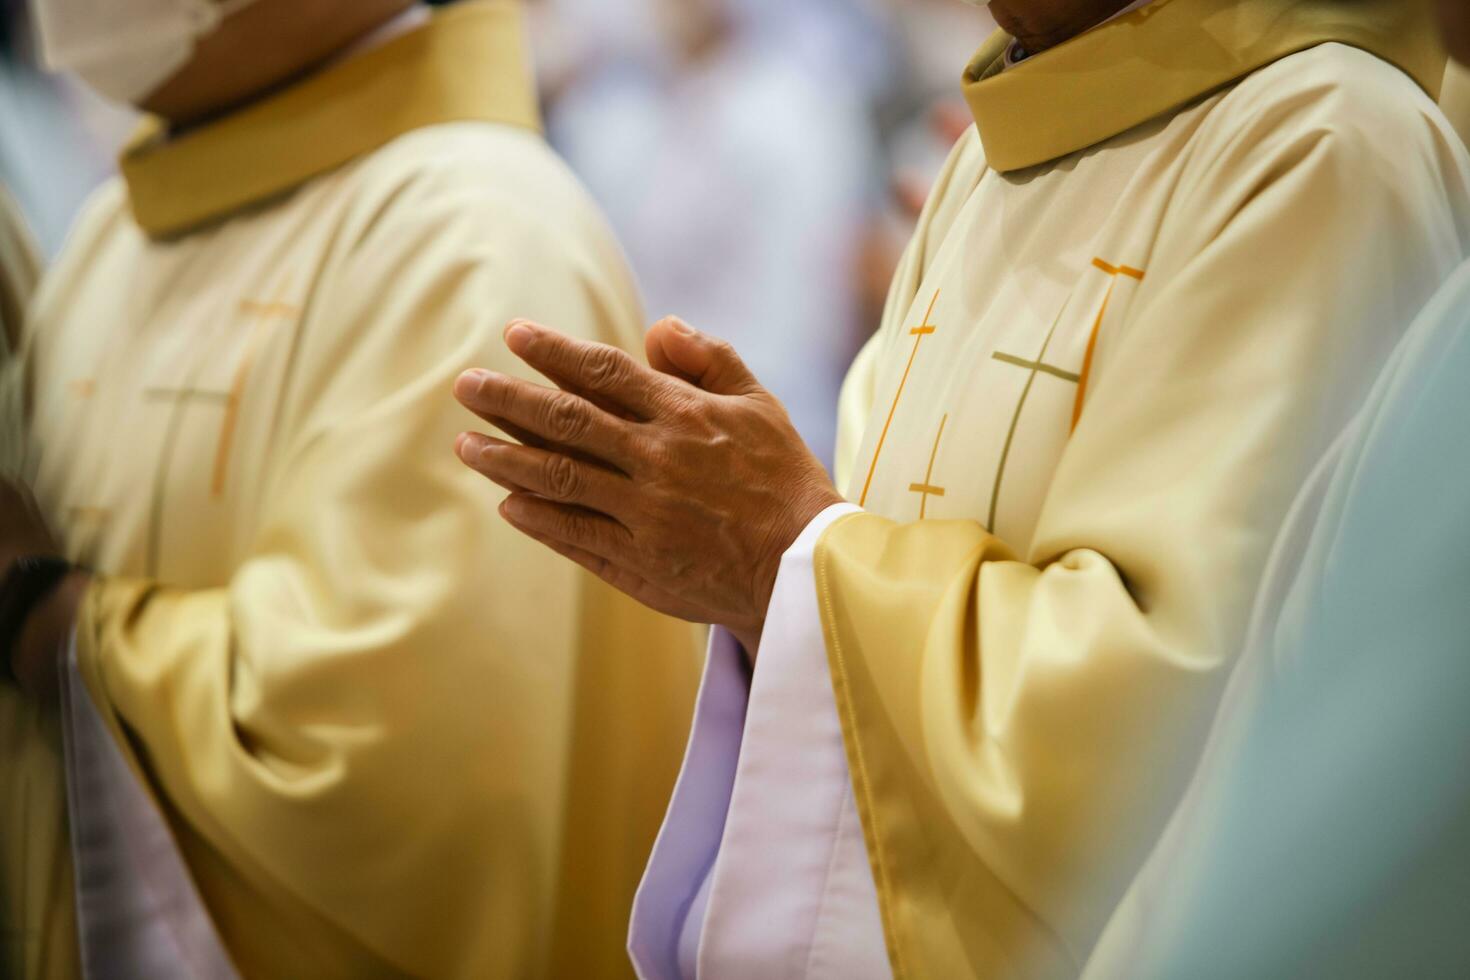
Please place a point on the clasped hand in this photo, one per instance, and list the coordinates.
(681, 484)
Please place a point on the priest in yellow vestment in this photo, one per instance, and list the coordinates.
(387, 735)
(1149, 289)
(36, 925)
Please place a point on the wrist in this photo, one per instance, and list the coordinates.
(806, 508)
(35, 657)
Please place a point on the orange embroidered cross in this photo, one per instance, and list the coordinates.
(1113, 271)
(1040, 366)
(927, 489)
(923, 330)
(264, 314)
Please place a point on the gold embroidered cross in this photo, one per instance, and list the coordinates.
(927, 489)
(1113, 271)
(923, 330)
(1036, 366)
(264, 314)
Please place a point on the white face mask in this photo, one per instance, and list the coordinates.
(126, 49)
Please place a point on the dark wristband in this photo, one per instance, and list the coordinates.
(30, 580)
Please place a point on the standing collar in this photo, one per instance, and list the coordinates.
(1165, 55)
(467, 63)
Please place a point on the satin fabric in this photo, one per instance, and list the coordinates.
(1100, 382)
(389, 735)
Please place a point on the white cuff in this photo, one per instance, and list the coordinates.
(781, 886)
(690, 837)
(792, 895)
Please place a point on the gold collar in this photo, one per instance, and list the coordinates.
(1163, 56)
(468, 63)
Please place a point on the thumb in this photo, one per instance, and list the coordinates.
(707, 362)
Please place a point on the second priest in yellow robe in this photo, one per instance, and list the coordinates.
(388, 736)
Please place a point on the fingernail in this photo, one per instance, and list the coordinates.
(680, 326)
(468, 447)
(510, 508)
(467, 385)
(517, 336)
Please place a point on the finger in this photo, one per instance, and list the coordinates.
(550, 417)
(459, 451)
(598, 371)
(551, 475)
(625, 581)
(570, 525)
(674, 347)
(525, 438)
(515, 432)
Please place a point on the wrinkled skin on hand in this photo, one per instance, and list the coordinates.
(681, 484)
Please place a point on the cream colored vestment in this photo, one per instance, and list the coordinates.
(392, 737)
(1110, 358)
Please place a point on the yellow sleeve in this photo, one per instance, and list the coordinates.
(363, 741)
(1019, 725)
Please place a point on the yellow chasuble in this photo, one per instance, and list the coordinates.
(391, 736)
(1146, 293)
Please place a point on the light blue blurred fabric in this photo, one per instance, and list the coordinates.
(1327, 833)
(49, 158)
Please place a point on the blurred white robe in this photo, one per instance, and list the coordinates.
(1326, 832)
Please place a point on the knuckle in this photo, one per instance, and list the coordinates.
(563, 480)
(492, 390)
(572, 527)
(602, 367)
(701, 417)
(567, 419)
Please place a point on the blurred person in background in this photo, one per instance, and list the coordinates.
(928, 113)
(741, 180)
(324, 715)
(56, 137)
(1326, 832)
(944, 721)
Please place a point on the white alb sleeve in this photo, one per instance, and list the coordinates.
(761, 870)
